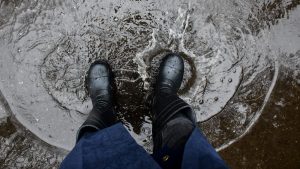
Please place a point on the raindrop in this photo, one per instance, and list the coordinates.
(216, 98)
(201, 101)
(229, 80)
(146, 131)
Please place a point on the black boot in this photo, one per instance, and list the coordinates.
(99, 85)
(170, 74)
(173, 118)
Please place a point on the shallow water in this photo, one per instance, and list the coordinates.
(233, 52)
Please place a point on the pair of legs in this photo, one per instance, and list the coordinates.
(173, 119)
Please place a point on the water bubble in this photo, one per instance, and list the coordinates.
(275, 125)
(201, 101)
(146, 131)
(230, 80)
(222, 79)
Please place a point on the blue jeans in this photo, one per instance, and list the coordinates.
(114, 148)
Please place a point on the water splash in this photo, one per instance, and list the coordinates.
(47, 47)
(212, 85)
(158, 45)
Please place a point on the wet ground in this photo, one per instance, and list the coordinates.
(274, 142)
(242, 73)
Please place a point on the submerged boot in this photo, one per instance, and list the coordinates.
(173, 118)
(99, 85)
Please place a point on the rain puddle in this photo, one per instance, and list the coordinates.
(230, 51)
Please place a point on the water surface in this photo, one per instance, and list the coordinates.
(233, 52)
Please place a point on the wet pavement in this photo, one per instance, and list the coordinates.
(274, 142)
(242, 74)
